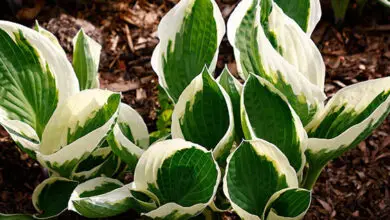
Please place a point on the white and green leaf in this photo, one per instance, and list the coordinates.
(306, 13)
(77, 128)
(23, 135)
(133, 126)
(256, 52)
(233, 88)
(296, 46)
(182, 177)
(204, 115)
(86, 57)
(288, 204)
(267, 115)
(103, 197)
(190, 35)
(48, 35)
(35, 75)
(129, 137)
(348, 118)
(50, 198)
(101, 162)
(255, 171)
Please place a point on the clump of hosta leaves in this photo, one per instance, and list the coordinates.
(254, 148)
(56, 113)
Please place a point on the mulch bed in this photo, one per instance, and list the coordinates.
(354, 186)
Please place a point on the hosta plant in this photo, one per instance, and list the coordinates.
(268, 138)
(57, 115)
(254, 147)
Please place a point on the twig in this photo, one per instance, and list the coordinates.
(128, 38)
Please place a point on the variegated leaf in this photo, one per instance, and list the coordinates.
(254, 46)
(50, 198)
(35, 75)
(133, 126)
(190, 35)
(101, 162)
(204, 115)
(267, 115)
(233, 88)
(288, 204)
(182, 177)
(86, 57)
(255, 171)
(306, 13)
(130, 136)
(23, 135)
(77, 128)
(348, 118)
(104, 197)
(296, 47)
(48, 35)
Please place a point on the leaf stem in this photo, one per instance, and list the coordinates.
(311, 177)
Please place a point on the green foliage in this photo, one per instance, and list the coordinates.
(164, 116)
(198, 161)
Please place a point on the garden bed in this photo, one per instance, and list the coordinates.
(355, 185)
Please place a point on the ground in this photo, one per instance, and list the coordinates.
(354, 186)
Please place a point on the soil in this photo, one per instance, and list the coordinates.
(354, 186)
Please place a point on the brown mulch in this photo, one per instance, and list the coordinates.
(354, 186)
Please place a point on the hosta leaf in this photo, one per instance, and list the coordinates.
(103, 197)
(255, 171)
(86, 56)
(48, 35)
(267, 115)
(130, 136)
(77, 128)
(204, 115)
(288, 204)
(182, 177)
(51, 197)
(348, 118)
(306, 13)
(233, 88)
(23, 135)
(296, 47)
(34, 76)
(126, 150)
(102, 162)
(133, 126)
(190, 35)
(255, 54)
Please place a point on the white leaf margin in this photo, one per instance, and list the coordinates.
(65, 77)
(147, 169)
(274, 61)
(315, 16)
(354, 95)
(301, 132)
(138, 128)
(297, 47)
(170, 25)
(188, 95)
(273, 216)
(263, 148)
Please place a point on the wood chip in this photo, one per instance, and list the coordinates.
(128, 38)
